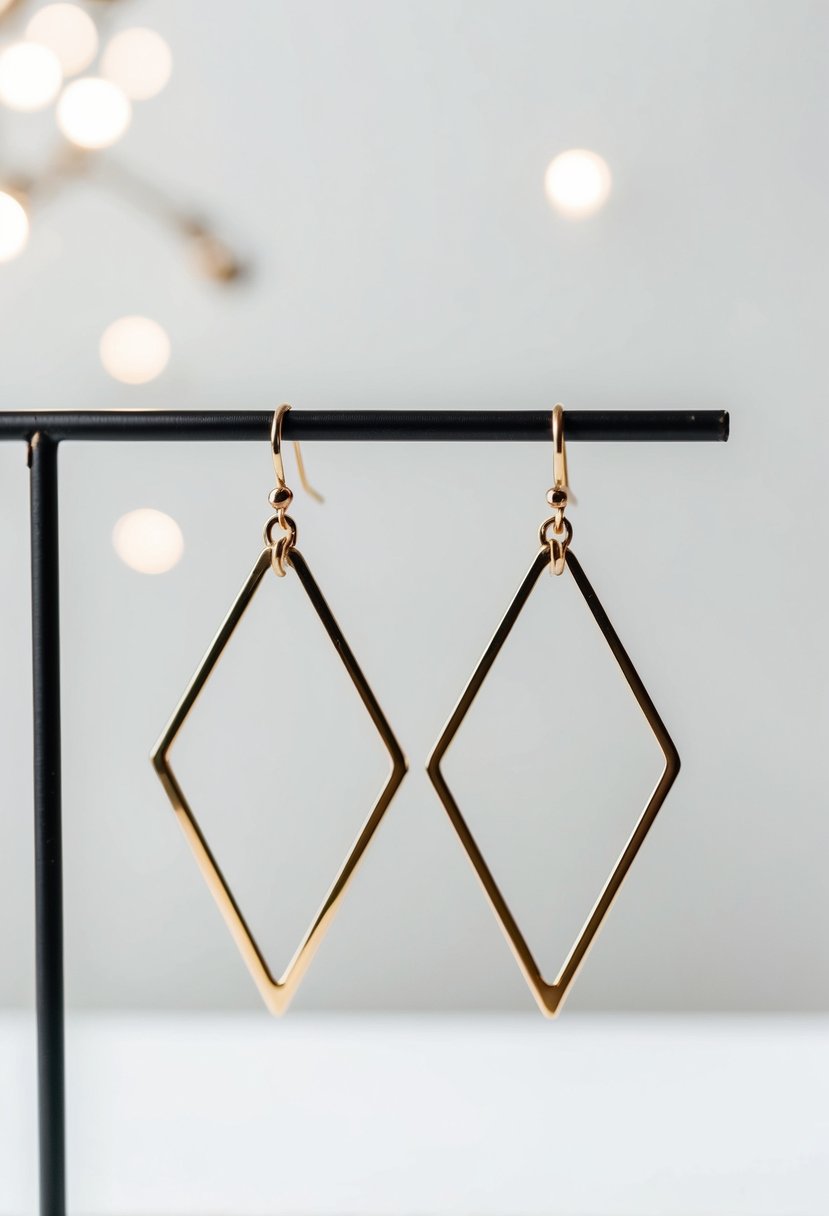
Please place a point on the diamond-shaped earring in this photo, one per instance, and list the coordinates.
(554, 555)
(279, 554)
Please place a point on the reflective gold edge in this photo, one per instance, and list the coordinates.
(276, 993)
(550, 996)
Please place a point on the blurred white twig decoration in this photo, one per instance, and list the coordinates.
(47, 63)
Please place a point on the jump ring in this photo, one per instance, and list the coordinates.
(567, 529)
(555, 543)
(280, 555)
(283, 521)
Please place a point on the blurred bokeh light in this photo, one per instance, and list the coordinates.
(14, 227)
(93, 113)
(148, 541)
(134, 350)
(139, 61)
(577, 183)
(30, 76)
(69, 32)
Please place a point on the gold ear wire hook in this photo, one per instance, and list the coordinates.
(279, 464)
(560, 479)
(558, 496)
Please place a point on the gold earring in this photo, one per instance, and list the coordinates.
(554, 554)
(279, 554)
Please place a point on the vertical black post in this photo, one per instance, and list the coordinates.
(43, 462)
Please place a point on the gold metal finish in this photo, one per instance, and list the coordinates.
(560, 479)
(279, 555)
(276, 992)
(558, 497)
(551, 995)
(557, 542)
(278, 463)
(554, 552)
(281, 498)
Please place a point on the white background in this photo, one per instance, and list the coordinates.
(629, 1116)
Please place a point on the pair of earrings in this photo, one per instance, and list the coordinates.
(280, 555)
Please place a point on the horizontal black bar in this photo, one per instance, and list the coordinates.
(459, 425)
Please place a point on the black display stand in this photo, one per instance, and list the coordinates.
(43, 432)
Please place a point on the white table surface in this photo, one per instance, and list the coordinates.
(417, 1115)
